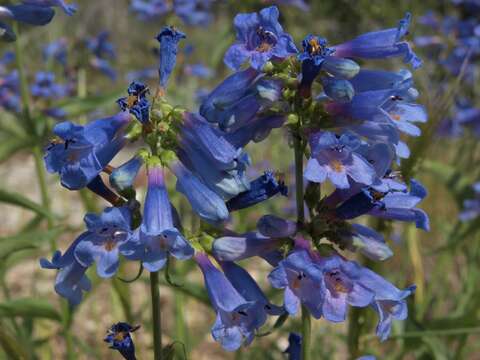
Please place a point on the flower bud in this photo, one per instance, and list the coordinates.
(338, 89)
(340, 67)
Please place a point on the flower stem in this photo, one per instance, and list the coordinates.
(156, 315)
(306, 320)
(306, 333)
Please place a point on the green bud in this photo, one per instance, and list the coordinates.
(268, 67)
(292, 119)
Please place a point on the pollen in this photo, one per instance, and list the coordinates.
(340, 287)
(120, 336)
(336, 165)
(395, 117)
(109, 245)
(316, 47)
(264, 47)
(131, 100)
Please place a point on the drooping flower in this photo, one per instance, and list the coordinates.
(381, 44)
(106, 238)
(334, 157)
(247, 287)
(83, 151)
(68, 9)
(137, 102)
(119, 338)
(205, 202)
(367, 241)
(261, 189)
(71, 280)
(260, 38)
(235, 102)
(158, 236)
(276, 227)
(122, 178)
(237, 319)
(168, 38)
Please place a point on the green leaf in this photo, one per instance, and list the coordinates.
(26, 240)
(12, 348)
(30, 308)
(17, 199)
(81, 106)
(9, 146)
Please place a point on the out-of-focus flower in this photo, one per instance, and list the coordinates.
(45, 87)
(471, 207)
(68, 9)
(119, 338)
(294, 349)
(103, 52)
(56, 50)
(260, 37)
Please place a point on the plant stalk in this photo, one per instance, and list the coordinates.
(156, 315)
(306, 319)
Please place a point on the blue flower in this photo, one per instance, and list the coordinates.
(56, 50)
(294, 349)
(103, 52)
(29, 14)
(123, 177)
(119, 338)
(106, 238)
(136, 102)
(45, 87)
(261, 189)
(158, 235)
(234, 247)
(198, 70)
(237, 319)
(248, 287)
(82, 152)
(276, 227)
(150, 9)
(168, 38)
(194, 12)
(71, 280)
(381, 44)
(335, 157)
(10, 92)
(368, 242)
(260, 38)
(205, 202)
(233, 109)
(315, 51)
(342, 281)
(68, 9)
(471, 207)
(301, 278)
(256, 130)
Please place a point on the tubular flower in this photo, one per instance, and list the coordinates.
(237, 319)
(83, 151)
(68, 9)
(158, 236)
(119, 338)
(168, 38)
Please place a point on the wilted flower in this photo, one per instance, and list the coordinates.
(119, 338)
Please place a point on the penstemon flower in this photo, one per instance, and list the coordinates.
(347, 120)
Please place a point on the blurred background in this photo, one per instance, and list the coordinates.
(106, 45)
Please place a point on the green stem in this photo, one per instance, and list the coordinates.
(156, 315)
(306, 319)
(306, 333)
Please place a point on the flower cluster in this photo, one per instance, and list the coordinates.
(346, 119)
